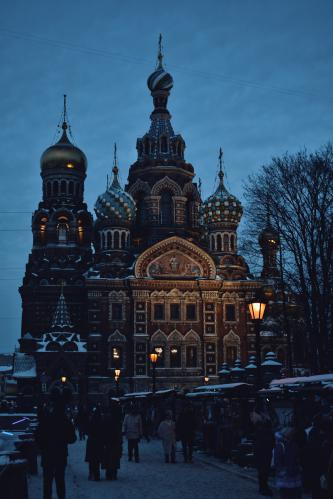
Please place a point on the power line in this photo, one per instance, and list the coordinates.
(136, 60)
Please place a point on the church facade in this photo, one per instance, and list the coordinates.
(165, 274)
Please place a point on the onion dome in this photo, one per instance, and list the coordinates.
(115, 205)
(222, 207)
(64, 154)
(160, 79)
(269, 237)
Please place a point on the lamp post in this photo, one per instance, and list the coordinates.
(153, 359)
(116, 378)
(206, 380)
(257, 308)
(63, 379)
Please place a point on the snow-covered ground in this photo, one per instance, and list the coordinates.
(152, 478)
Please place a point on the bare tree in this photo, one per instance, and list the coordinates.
(298, 190)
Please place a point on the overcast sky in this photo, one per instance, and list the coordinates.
(254, 77)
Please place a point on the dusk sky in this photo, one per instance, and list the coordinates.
(254, 77)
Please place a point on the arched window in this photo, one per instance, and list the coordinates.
(164, 144)
(77, 189)
(108, 240)
(166, 208)
(140, 209)
(226, 242)
(147, 146)
(180, 149)
(71, 187)
(123, 240)
(48, 189)
(63, 187)
(232, 242)
(190, 213)
(102, 240)
(55, 188)
(218, 242)
(63, 232)
(116, 239)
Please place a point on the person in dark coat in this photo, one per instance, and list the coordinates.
(112, 433)
(94, 447)
(53, 434)
(81, 421)
(185, 431)
(263, 449)
(287, 461)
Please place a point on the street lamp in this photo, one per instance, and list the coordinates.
(116, 378)
(153, 359)
(63, 379)
(206, 380)
(257, 307)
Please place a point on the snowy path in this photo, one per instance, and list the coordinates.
(151, 479)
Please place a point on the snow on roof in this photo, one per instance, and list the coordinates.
(137, 394)
(24, 366)
(214, 388)
(317, 378)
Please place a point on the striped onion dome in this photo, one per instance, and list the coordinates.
(115, 205)
(160, 79)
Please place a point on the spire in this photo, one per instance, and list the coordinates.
(221, 173)
(115, 169)
(160, 54)
(61, 319)
(64, 126)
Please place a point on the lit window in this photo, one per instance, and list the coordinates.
(70, 165)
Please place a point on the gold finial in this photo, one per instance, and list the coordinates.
(160, 54)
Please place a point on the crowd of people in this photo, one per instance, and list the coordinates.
(301, 455)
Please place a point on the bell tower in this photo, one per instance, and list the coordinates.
(62, 234)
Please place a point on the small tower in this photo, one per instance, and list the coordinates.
(62, 232)
(269, 241)
(115, 211)
(221, 214)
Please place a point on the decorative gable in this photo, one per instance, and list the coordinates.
(174, 258)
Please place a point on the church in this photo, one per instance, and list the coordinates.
(156, 270)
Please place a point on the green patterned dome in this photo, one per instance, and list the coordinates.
(222, 207)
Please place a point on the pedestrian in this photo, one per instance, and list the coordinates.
(185, 431)
(263, 450)
(167, 432)
(112, 431)
(53, 434)
(132, 428)
(318, 445)
(81, 421)
(94, 447)
(287, 462)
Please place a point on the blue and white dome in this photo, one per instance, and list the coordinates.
(115, 205)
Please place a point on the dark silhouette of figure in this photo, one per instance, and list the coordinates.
(112, 433)
(53, 435)
(94, 447)
(263, 449)
(318, 450)
(167, 433)
(185, 431)
(132, 428)
(81, 421)
(287, 460)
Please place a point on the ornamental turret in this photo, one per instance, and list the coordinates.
(115, 212)
(269, 241)
(161, 181)
(221, 214)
